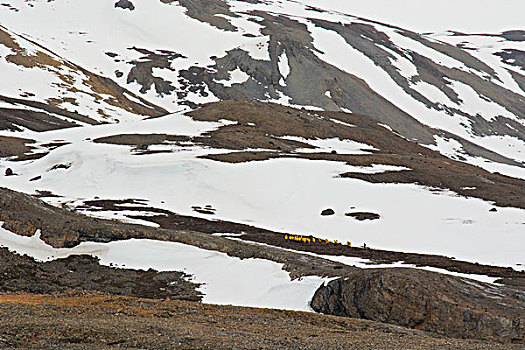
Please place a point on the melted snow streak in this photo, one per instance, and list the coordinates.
(226, 280)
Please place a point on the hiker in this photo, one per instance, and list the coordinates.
(364, 245)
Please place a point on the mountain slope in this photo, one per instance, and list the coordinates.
(60, 84)
(461, 93)
(278, 168)
(247, 152)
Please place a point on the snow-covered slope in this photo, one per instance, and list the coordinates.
(285, 194)
(30, 72)
(284, 51)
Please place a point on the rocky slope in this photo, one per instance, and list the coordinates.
(84, 273)
(90, 321)
(427, 301)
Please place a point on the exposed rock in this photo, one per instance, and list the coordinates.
(513, 57)
(38, 121)
(125, 4)
(14, 146)
(514, 35)
(361, 216)
(139, 140)
(13, 118)
(43, 193)
(348, 91)
(60, 166)
(82, 272)
(9, 172)
(142, 71)
(327, 212)
(452, 306)
(208, 209)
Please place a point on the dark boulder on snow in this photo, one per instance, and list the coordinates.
(125, 4)
(327, 212)
(361, 216)
(451, 306)
(9, 172)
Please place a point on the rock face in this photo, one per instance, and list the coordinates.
(447, 305)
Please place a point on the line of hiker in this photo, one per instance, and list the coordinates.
(312, 240)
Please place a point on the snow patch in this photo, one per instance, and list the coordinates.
(237, 76)
(284, 68)
(335, 144)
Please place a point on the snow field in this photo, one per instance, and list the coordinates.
(283, 194)
(334, 144)
(48, 82)
(453, 149)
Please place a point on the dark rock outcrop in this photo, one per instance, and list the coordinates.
(82, 272)
(125, 4)
(361, 216)
(327, 212)
(142, 70)
(447, 305)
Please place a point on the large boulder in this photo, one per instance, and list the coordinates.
(125, 4)
(443, 304)
(327, 212)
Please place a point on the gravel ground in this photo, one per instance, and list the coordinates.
(101, 321)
